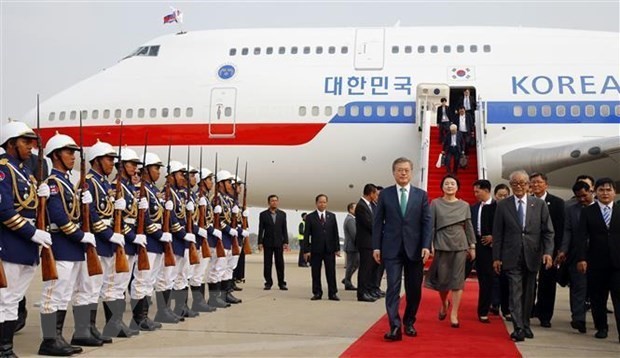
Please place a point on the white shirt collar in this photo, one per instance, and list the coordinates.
(602, 206)
(524, 198)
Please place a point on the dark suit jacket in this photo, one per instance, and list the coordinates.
(321, 238)
(472, 102)
(510, 240)
(570, 239)
(599, 245)
(557, 212)
(363, 226)
(460, 142)
(469, 122)
(272, 234)
(394, 233)
(440, 110)
(484, 218)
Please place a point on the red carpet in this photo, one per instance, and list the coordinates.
(436, 338)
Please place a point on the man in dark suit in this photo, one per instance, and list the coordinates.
(484, 251)
(465, 125)
(321, 245)
(453, 148)
(273, 240)
(401, 238)
(443, 119)
(522, 239)
(547, 279)
(468, 101)
(598, 253)
(363, 239)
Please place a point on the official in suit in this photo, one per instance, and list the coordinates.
(366, 291)
(352, 259)
(547, 279)
(443, 118)
(598, 253)
(484, 242)
(273, 240)
(401, 238)
(453, 147)
(522, 239)
(468, 101)
(321, 245)
(465, 124)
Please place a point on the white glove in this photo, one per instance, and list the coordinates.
(190, 238)
(202, 201)
(217, 209)
(202, 232)
(118, 239)
(246, 213)
(235, 210)
(169, 205)
(42, 238)
(87, 197)
(166, 237)
(190, 206)
(140, 240)
(43, 191)
(217, 233)
(233, 232)
(89, 238)
(245, 233)
(143, 204)
(120, 204)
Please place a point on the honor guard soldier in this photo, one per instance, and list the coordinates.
(181, 238)
(239, 271)
(229, 233)
(19, 238)
(101, 158)
(161, 277)
(73, 283)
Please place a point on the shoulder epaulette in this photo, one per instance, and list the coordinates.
(4, 161)
(89, 176)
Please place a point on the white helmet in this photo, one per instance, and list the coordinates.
(205, 173)
(130, 155)
(15, 129)
(59, 141)
(100, 149)
(238, 180)
(224, 175)
(152, 159)
(192, 170)
(176, 167)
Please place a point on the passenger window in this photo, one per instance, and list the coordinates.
(95, 114)
(617, 110)
(420, 49)
(228, 112)
(590, 111)
(460, 48)
(531, 111)
(546, 110)
(189, 112)
(141, 113)
(381, 111)
(153, 113)
(447, 49)
(72, 115)
(433, 49)
(328, 111)
(315, 111)
(342, 111)
(302, 111)
(84, 115)
(294, 50)
(394, 110)
(232, 52)
(331, 50)
(604, 110)
(164, 112)
(560, 111)
(575, 110)
(269, 50)
(62, 116)
(117, 113)
(257, 50)
(281, 50)
(52, 116)
(344, 50)
(473, 48)
(517, 111)
(354, 111)
(486, 48)
(129, 113)
(408, 49)
(306, 50)
(395, 49)
(177, 112)
(319, 50)
(408, 111)
(106, 113)
(367, 111)
(245, 51)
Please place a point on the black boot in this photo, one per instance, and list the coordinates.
(82, 335)
(180, 307)
(121, 309)
(93, 325)
(149, 322)
(235, 287)
(114, 326)
(164, 313)
(198, 299)
(22, 314)
(53, 344)
(228, 289)
(215, 299)
(7, 330)
(138, 322)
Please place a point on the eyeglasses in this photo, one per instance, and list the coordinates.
(519, 183)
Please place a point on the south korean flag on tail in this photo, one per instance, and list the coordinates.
(461, 73)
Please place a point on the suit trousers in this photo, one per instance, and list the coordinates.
(239, 271)
(18, 279)
(452, 160)
(352, 263)
(367, 273)
(545, 295)
(601, 283)
(578, 290)
(413, 288)
(316, 261)
(484, 270)
(522, 283)
(269, 255)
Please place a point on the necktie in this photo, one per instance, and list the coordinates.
(520, 213)
(403, 200)
(322, 218)
(607, 215)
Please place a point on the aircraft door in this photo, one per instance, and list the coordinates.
(222, 114)
(369, 49)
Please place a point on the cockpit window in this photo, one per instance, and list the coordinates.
(151, 51)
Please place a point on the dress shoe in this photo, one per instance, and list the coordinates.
(545, 324)
(267, 288)
(517, 336)
(527, 332)
(601, 334)
(455, 324)
(394, 335)
(350, 288)
(366, 298)
(508, 318)
(579, 325)
(283, 288)
(334, 298)
(315, 298)
(494, 310)
(410, 331)
(380, 293)
(442, 315)
(484, 319)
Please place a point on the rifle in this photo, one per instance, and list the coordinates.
(236, 250)
(219, 247)
(247, 248)
(202, 214)
(122, 264)
(194, 258)
(143, 258)
(169, 259)
(48, 262)
(3, 282)
(92, 259)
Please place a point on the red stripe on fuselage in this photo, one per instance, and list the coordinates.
(193, 134)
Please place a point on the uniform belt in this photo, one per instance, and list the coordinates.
(130, 221)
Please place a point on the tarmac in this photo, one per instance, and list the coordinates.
(279, 323)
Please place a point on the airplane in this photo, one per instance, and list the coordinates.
(326, 110)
